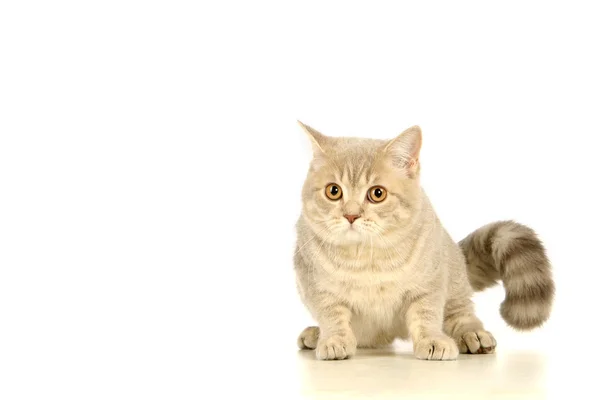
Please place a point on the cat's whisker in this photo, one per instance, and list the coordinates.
(391, 245)
(360, 248)
(389, 256)
(315, 254)
(310, 240)
(371, 237)
(323, 241)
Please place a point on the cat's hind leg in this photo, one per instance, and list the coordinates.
(308, 338)
(461, 323)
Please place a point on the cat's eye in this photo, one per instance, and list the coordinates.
(333, 192)
(376, 194)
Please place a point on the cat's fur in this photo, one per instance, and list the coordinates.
(395, 272)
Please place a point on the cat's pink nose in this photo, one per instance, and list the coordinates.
(351, 218)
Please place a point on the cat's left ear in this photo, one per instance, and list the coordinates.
(405, 148)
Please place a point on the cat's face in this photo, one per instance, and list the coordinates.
(361, 190)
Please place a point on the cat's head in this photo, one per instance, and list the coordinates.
(360, 189)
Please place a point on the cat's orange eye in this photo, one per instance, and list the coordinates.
(376, 194)
(333, 192)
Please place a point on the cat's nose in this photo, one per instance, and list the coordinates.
(351, 218)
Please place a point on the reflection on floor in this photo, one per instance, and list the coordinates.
(393, 372)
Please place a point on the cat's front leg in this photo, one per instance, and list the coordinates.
(336, 339)
(424, 319)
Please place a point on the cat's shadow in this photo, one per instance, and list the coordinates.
(364, 354)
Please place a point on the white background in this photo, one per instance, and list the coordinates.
(151, 167)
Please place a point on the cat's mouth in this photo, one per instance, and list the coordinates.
(352, 233)
(356, 231)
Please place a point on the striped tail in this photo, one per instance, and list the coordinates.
(511, 252)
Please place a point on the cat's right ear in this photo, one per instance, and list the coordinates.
(317, 139)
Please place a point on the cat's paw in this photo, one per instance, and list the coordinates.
(308, 338)
(478, 342)
(336, 347)
(436, 348)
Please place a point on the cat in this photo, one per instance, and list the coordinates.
(373, 262)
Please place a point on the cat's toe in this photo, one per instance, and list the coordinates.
(436, 348)
(336, 347)
(478, 342)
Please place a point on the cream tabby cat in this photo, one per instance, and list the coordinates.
(374, 263)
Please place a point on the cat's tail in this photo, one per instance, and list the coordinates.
(512, 252)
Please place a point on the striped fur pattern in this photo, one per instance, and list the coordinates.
(510, 252)
(395, 272)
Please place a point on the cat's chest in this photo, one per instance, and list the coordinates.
(364, 278)
(367, 297)
(366, 286)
